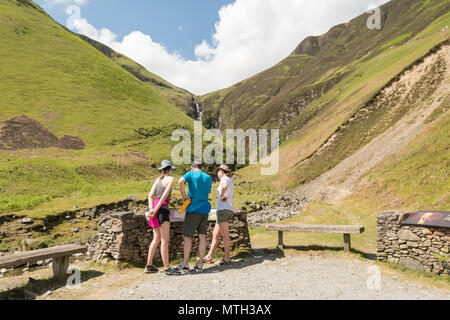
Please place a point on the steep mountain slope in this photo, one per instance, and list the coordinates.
(354, 112)
(282, 96)
(68, 90)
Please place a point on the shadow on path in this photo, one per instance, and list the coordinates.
(246, 259)
(260, 255)
(365, 255)
(37, 287)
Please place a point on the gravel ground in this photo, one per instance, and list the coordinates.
(268, 277)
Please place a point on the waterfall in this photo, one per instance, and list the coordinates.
(198, 112)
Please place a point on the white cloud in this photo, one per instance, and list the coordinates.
(204, 51)
(250, 36)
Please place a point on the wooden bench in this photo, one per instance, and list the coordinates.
(345, 230)
(60, 255)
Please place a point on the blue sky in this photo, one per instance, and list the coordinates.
(204, 45)
(179, 25)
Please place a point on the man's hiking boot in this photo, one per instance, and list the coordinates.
(151, 269)
(181, 268)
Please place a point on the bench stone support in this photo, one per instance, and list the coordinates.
(280, 240)
(347, 242)
(60, 265)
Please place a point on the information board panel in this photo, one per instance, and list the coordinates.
(436, 219)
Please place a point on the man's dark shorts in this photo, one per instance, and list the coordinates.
(195, 222)
(224, 215)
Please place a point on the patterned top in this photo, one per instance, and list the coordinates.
(160, 189)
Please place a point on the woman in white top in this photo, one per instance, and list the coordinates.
(225, 210)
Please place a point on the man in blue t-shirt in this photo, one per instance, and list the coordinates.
(199, 184)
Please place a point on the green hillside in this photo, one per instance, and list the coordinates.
(71, 89)
(180, 98)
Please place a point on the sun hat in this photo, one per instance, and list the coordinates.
(165, 164)
(223, 167)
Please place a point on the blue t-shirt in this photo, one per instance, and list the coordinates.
(199, 184)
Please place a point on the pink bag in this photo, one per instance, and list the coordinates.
(154, 222)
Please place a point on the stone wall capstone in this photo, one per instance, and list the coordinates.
(124, 236)
(417, 248)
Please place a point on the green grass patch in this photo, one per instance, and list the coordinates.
(442, 109)
(397, 40)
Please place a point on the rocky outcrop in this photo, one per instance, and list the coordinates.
(308, 46)
(26, 133)
(287, 206)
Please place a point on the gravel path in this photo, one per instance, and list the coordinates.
(268, 277)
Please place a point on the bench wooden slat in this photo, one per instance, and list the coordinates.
(32, 256)
(315, 228)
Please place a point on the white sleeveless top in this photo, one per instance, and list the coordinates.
(225, 205)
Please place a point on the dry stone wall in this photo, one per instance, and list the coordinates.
(124, 236)
(417, 248)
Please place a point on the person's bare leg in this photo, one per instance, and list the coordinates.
(215, 242)
(165, 239)
(155, 242)
(224, 228)
(187, 249)
(201, 247)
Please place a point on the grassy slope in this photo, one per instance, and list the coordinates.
(178, 97)
(53, 76)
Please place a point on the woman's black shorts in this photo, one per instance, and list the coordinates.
(163, 215)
